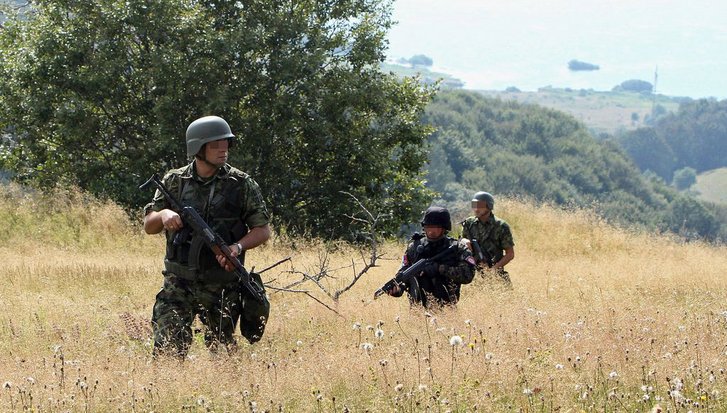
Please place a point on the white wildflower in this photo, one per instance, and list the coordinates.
(7, 385)
(527, 391)
(201, 401)
(379, 333)
(422, 387)
(455, 341)
(613, 375)
(677, 384)
(356, 325)
(468, 322)
(30, 380)
(489, 356)
(383, 362)
(298, 343)
(645, 397)
(559, 366)
(367, 346)
(398, 387)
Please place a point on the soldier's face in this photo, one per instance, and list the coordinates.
(216, 152)
(480, 208)
(433, 232)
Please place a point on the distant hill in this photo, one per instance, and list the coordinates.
(602, 112)
(428, 77)
(509, 148)
(711, 186)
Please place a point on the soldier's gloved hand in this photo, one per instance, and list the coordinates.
(431, 270)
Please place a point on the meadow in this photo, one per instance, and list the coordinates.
(599, 319)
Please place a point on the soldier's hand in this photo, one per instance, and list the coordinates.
(228, 266)
(171, 220)
(394, 291)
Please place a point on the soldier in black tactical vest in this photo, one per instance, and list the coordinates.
(196, 282)
(439, 283)
(493, 235)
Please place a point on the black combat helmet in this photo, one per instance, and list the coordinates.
(438, 216)
(486, 197)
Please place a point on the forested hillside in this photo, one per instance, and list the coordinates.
(693, 137)
(508, 148)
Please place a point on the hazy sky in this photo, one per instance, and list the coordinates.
(527, 43)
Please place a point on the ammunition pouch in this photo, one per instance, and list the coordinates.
(254, 315)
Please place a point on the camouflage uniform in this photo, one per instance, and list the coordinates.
(194, 282)
(494, 236)
(444, 287)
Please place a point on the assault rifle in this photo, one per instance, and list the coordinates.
(404, 276)
(214, 241)
(480, 255)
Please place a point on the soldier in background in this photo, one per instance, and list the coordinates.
(493, 236)
(439, 282)
(196, 282)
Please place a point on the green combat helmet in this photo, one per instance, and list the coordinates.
(486, 197)
(206, 129)
(437, 216)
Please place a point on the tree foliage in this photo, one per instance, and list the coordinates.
(684, 178)
(100, 93)
(634, 85)
(523, 150)
(694, 137)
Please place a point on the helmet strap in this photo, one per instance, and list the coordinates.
(200, 157)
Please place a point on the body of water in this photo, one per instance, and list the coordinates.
(528, 44)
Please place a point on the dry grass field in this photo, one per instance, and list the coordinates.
(600, 319)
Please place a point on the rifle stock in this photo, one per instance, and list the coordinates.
(214, 241)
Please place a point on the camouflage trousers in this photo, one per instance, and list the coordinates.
(218, 306)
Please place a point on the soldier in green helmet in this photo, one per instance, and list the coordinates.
(493, 236)
(196, 282)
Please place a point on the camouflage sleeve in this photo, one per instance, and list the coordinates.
(255, 213)
(506, 240)
(466, 233)
(159, 202)
(464, 271)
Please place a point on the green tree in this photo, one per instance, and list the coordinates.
(99, 94)
(634, 85)
(684, 178)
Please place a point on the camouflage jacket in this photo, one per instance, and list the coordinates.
(494, 235)
(230, 202)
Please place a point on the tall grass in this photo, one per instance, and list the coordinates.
(600, 319)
